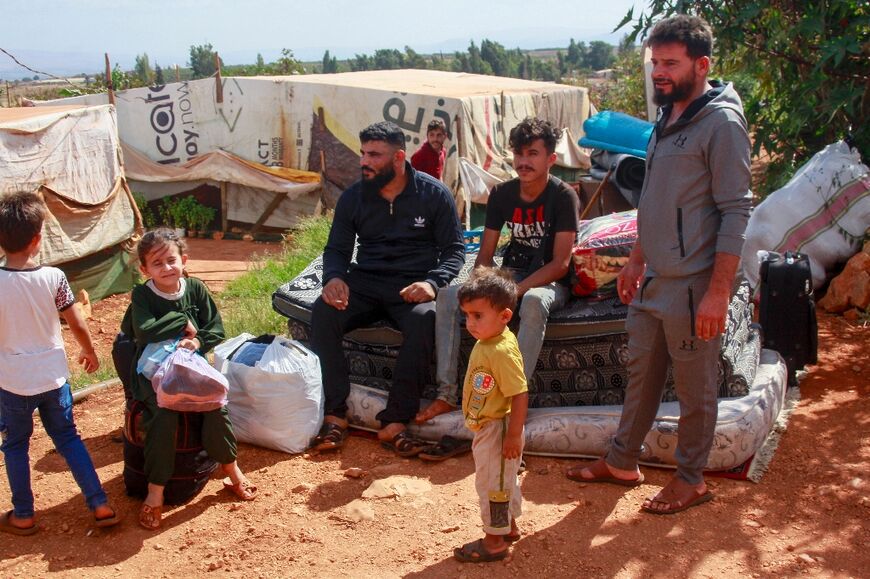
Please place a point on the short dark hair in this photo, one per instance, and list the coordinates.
(21, 218)
(492, 284)
(530, 129)
(155, 238)
(384, 131)
(692, 32)
(436, 125)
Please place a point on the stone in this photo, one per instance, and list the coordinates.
(397, 486)
(358, 511)
(302, 488)
(808, 559)
(355, 472)
(84, 300)
(851, 288)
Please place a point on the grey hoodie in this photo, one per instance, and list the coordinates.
(695, 200)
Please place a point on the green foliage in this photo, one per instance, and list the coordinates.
(804, 67)
(245, 304)
(142, 69)
(200, 217)
(181, 213)
(148, 218)
(626, 92)
(287, 64)
(202, 60)
(330, 64)
(79, 379)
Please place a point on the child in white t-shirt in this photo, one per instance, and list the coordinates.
(33, 365)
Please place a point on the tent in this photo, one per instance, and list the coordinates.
(71, 156)
(312, 122)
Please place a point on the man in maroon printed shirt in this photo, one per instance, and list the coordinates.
(431, 155)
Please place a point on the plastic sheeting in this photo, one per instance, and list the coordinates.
(312, 122)
(71, 156)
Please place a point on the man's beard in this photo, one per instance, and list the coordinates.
(377, 181)
(680, 91)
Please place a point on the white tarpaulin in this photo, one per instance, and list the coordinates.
(312, 122)
(70, 155)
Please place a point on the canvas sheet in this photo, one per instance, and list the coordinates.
(71, 156)
(312, 122)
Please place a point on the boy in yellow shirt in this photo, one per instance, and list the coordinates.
(494, 402)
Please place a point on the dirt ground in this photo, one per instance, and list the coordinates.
(808, 515)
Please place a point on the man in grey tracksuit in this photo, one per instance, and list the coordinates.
(691, 220)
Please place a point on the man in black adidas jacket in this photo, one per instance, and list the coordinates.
(409, 245)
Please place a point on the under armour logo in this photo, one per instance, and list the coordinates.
(688, 345)
(419, 222)
(680, 141)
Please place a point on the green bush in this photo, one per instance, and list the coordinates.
(246, 303)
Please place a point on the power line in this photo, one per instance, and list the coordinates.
(19, 63)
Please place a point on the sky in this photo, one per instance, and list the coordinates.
(69, 36)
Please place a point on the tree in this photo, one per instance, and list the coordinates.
(801, 68)
(260, 67)
(202, 60)
(599, 56)
(388, 59)
(287, 64)
(330, 64)
(142, 69)
(158, 75)
(414, 60)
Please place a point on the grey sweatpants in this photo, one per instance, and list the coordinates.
(487, 451)
(661, 328)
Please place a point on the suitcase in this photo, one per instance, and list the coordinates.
(193, 466)
(787, 311)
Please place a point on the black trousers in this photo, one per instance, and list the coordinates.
(374, 298)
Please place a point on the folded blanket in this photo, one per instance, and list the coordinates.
(617, 132)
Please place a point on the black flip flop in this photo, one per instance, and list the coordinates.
(445, 448)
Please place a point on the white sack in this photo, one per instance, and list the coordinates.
(823, 211)
(278, 403)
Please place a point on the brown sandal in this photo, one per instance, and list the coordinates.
(149, 517)
(244, 490)
(330, 437)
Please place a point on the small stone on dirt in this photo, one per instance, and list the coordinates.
(355, 472)
(808, 559)
(452, 529)
(397, 486)
(359, 510)
(302, 488)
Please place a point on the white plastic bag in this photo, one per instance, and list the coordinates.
(185, 382)
(277, 403)
(823, 211)
(153, 356)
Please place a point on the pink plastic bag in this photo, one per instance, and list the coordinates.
(185, 382)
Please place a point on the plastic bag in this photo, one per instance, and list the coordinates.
(153, 356)
(185, 382)
(603, 247)
(277, 403)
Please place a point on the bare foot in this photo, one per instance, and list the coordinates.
(437, 408)
(390, 431)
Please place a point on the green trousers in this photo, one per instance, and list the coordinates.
(161, 426)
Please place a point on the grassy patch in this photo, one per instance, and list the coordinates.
(246, 303)
(78, 378)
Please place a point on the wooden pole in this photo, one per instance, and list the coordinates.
(177, 74)
(595, 196)
(219, 87)
(109, 84)
(223, 206)
(8, 99)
